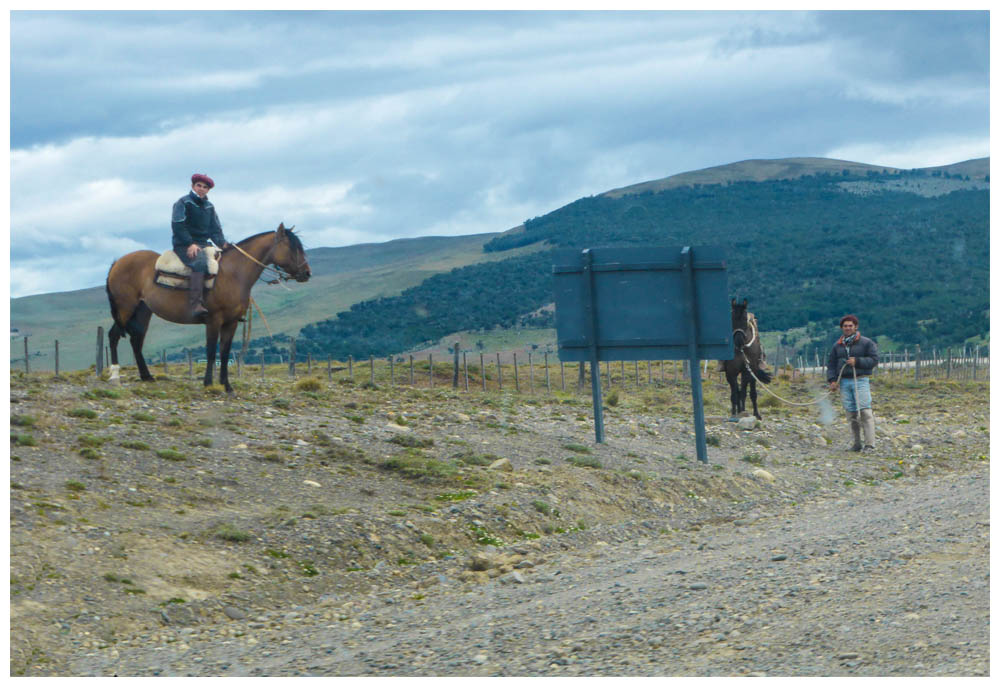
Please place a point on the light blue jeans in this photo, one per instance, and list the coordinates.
(864, 398)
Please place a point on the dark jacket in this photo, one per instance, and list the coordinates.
(194, 221)
(864, 351)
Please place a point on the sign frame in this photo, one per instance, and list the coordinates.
(643, 303)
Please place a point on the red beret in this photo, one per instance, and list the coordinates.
(203, 178)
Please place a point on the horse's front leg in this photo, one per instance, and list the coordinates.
(211, 339)
(744, 382)
(225, 345)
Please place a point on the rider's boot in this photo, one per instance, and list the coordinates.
(868, 424)
(196, 291)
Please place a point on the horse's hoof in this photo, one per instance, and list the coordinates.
(150, 378)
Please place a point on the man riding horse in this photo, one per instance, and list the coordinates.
(194, 224)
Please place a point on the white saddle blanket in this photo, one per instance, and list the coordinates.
(170, 271)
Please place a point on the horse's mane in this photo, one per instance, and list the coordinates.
(293, 239)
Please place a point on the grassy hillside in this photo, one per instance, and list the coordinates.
(804, 250)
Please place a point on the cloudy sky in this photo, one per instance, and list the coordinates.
(363, 127)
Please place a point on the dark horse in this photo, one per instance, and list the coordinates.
(747, 351)
(135, 297)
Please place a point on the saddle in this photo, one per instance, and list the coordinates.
(174, 274)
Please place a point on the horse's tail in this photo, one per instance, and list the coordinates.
(111, 299)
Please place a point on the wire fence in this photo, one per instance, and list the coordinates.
(532, 370)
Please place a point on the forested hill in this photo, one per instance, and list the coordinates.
(908, 251)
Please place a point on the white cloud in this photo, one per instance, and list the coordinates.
(911, 154)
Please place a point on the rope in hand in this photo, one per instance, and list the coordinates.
(811, 403)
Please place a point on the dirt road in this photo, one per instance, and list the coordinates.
(892, 583)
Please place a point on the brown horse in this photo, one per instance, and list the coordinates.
(747, 355)
(135, 297)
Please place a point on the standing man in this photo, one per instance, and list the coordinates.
(851, 361)
(194, 223)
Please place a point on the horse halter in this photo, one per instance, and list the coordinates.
(753, 333)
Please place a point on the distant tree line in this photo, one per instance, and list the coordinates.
(803, 251)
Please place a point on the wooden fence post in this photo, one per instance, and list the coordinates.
(430, 367)
(482, 370)
(99, 367)
(190, 366)
(411, 370)
(947, 373)
(392, 371)
(916, 367)
(562, 376)
(465, 369)
(57, 357)
(309, 363)
(291, 359)
(975, 364)
(350, 367)
(329, 369)
(499, 374)
(580, 377)
(548, 385)
(371, 365)
(163, 360)
(531, 374)
(517, 384)
(27, 367)
(454, 377)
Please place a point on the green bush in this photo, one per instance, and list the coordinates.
(585, 461)
(410, 441)
(23, 440)
(170, 454)
(86, 413)
(227, 532)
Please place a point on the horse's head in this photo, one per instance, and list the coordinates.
(289, 255)
(739, 314)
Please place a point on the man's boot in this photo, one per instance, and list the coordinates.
(855, 430)
(196, 292)
(868, 423)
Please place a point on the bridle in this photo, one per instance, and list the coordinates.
(280, 274)
(753, 334)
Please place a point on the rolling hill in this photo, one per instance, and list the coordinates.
(806, 239)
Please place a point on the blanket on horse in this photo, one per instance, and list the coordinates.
(174, 274)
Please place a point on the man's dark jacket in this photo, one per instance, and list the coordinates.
(194, 221)
(865, 354)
